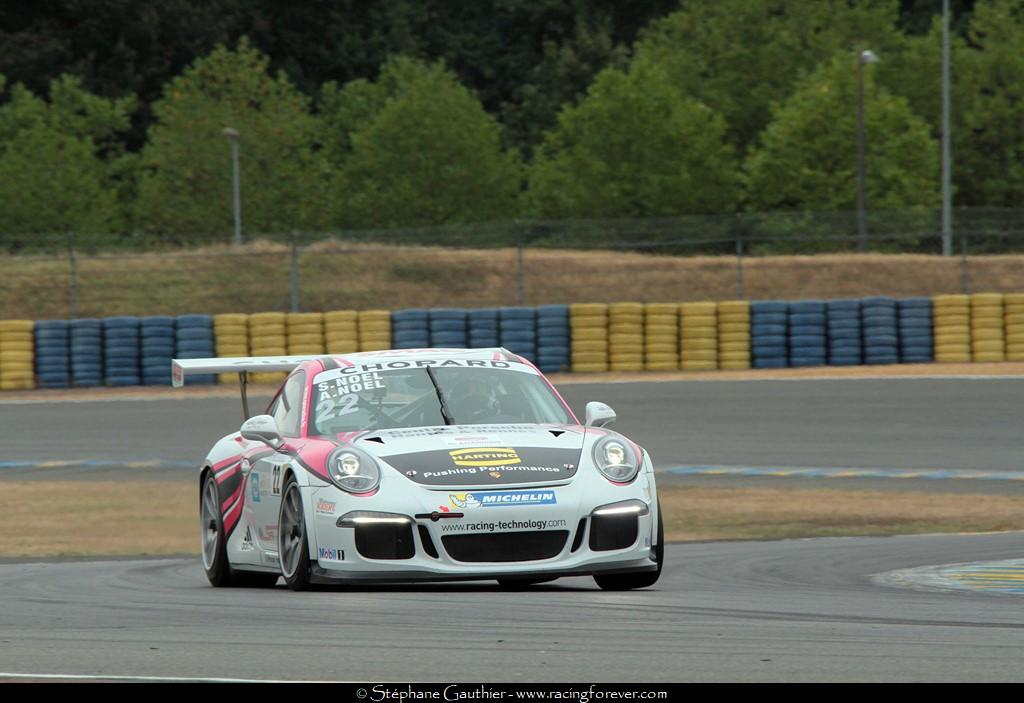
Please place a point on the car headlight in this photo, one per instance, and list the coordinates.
(616, 459)
(352, 470)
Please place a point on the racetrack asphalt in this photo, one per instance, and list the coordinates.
(798, 610)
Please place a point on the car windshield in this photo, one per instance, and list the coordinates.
(347, 400)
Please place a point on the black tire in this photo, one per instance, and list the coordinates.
(515, 584)
(214, 547)
(641, 579)
(292, 544)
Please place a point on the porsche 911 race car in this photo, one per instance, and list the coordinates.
(423, 465)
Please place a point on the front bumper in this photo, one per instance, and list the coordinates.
(391, 536)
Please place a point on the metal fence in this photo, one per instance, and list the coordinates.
(754, 256)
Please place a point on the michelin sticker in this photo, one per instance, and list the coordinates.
(498, 499)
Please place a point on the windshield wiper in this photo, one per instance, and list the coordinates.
(440, 397)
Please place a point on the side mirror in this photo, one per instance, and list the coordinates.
(599, 415)
(262, 428)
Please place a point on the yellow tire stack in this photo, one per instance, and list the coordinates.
(305, 333)
(588, 323)
(17, 355)
(988, 337)
(341, 332)
(661, 336)
(698, 336)
(268, 337)
(231, 337)
(734, 334)
(626, 337)
(374, 329)
(951, 322)
(1013, 308)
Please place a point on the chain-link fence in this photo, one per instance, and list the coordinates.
(755, 256)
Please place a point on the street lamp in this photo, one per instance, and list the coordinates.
(232, 135)
(947, 165)
(865, 57)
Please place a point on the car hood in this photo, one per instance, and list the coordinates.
(480, 455)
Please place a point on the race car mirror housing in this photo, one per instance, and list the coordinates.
(262, 428)
(599, 415)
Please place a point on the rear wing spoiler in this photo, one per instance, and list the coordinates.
(242, 365)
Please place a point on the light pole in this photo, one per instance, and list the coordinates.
(232, 136)
(865, 57)
(947, 161)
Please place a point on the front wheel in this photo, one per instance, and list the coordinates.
(643, 579)
(293, 546)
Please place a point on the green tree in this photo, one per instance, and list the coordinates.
(741, 56)
(185, 191)
(634, 147)
(808, 155)
(423, 152)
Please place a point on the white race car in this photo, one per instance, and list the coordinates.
(423, 465)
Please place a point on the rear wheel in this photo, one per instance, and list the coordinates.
(214, 544)
(293, 545)
(642, 579)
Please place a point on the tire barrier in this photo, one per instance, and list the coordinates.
(698, 336)
(879, 330)
(374, 329)
(951, 322)
(553, 338)
(517, 331)
(845, 342)
(588, 325)
(915, 330)
(769, 336)
(17, 355)
(231, 339)
(661, 336)
(305, 332)
(52, 353)
(483, 328)
(626, 337)
(157, 337)
(341, 332)
(808, 339)
(410, 329)
(194, 340)
(121, 355)
(267, 337)
(988, 338)
(734, 334)
(448, 328)
(1013, 309)
(86, 352)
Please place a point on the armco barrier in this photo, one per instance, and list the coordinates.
(988, 340)
(121, 351)
(156, 349)
(915, 330)
(769, 334)
(845, 343)
(588, 324)
(808, 341)
(951, 320)
(734, 334)
(53, 353)
(553, 338)
(880, 331)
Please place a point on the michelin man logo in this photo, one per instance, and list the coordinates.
(463, 500)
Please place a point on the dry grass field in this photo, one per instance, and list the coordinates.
(338, 275)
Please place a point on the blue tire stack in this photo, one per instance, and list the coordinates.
(448, 328)
(483, 328)
(193, 339)
(121, 351)
(553, 338)
(845, 346)
(808, 341)
(915, 330)
(86, 352)
(769, 334)
(157, 344)
(410, 329)
(517, 329)
(52, 354)
(881, 338)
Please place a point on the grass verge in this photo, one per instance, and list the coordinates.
(76, 518)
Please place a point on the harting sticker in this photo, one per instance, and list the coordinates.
(498, 499)
(484, 456)
(325, 507)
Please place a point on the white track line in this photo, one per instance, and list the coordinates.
(195, 679)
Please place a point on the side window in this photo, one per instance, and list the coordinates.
(287, 409)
